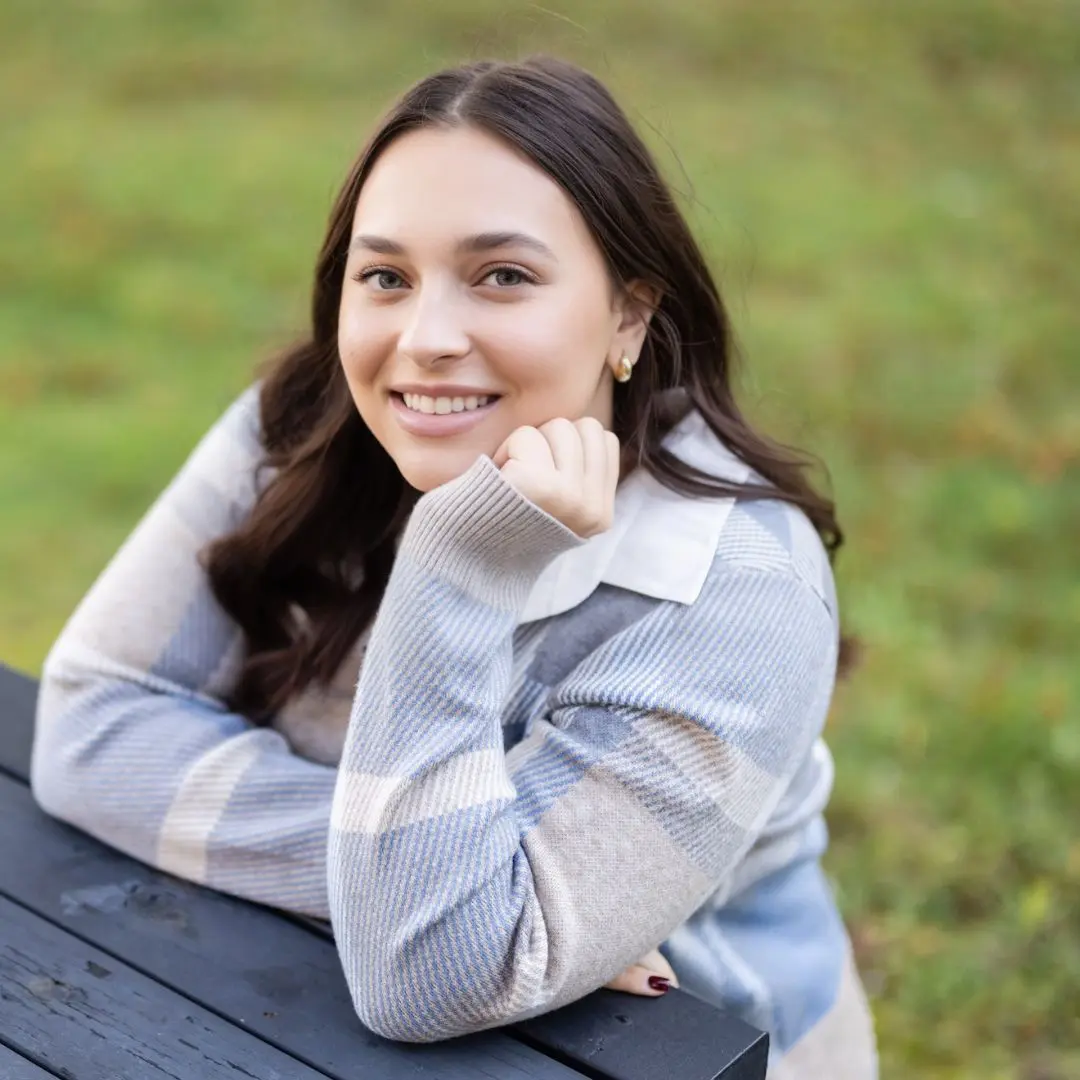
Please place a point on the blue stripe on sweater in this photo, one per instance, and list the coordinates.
(784, 945)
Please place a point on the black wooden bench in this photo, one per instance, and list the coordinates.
(109, 970)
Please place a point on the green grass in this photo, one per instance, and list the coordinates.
(889, 196)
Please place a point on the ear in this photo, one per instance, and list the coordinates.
(634, 308)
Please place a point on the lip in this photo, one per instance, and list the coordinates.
(437, 424)
(441, 390)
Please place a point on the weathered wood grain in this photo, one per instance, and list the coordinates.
(15, 1067)
(82, 1013)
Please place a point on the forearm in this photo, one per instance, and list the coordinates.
(425, 843)
(180, 784)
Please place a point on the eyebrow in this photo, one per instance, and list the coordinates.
(469, 245)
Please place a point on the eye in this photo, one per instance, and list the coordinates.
(506, 277)
(387, 280)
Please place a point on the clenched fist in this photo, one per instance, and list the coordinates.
(568, 468)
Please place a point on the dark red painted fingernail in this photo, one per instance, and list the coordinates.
(656, 982)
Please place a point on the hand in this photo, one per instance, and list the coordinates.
(567, 468)
(635, 979)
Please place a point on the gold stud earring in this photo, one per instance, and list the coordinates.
(625, 369)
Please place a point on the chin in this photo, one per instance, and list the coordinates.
(432, 470)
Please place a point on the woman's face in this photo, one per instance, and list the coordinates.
(474, 301)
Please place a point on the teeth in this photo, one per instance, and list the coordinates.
(443, 405)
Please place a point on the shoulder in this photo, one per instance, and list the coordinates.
(220, 480)
(234, 438)
(765, 624)
(239, 426)
(767, 597)
(774, 537)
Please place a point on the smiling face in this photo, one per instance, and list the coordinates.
(475, 301)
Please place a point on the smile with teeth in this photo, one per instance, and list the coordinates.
(442, 405)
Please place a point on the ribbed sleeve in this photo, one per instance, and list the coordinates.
(480, 535)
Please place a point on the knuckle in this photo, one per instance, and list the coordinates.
(559, 423)
(519, 437)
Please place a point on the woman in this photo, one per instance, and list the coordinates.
(485, 625)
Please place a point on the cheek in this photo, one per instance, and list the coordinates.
(564, 337)
(360, 347)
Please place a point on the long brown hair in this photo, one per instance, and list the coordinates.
(304, 574)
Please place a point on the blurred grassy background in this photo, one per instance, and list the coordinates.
(889, 194)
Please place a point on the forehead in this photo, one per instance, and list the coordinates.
(434, 184)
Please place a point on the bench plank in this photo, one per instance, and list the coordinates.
(15, 1067)
(78, 1010)
(677, 1035)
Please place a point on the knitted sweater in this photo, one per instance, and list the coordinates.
(546, 758)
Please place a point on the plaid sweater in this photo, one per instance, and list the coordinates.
(547, 757)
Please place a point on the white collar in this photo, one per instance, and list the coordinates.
(661, 542)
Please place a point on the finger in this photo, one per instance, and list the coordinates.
(594, 462)
(528, 446)
(657, 964)
(566, 451)
(635, 980)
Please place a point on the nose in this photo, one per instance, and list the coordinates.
(434, 331)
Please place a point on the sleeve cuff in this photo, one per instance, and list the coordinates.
(482, 534)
